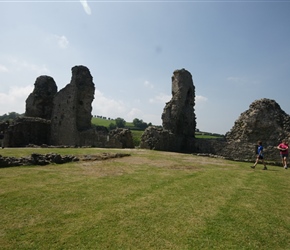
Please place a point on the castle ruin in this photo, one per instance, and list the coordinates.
(63, 118)
(178, 118)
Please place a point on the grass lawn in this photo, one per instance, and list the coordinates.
(149, 200)
(106, 123)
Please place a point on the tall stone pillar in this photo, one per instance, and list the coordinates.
(178, 115)
(72, 108)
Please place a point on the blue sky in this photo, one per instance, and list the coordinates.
(236, 51)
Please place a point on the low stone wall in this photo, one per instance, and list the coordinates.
(164, 140)
(27, 130)
(36, 159)
(237, 151)
(53, 158)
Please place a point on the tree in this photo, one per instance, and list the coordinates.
(136, 122)
(112, 126)
(139, 123)
(10, 116)
(120, 122)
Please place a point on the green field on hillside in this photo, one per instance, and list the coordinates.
(106, 122)
(148, 200)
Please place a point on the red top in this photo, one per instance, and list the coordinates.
(285, 147)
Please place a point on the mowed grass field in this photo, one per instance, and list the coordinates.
(148, 200)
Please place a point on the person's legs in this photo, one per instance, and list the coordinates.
(285, 161)
(282, 159)
(256, 162)
(265, 168)
(259, 158)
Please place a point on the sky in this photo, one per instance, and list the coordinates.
(236, 51)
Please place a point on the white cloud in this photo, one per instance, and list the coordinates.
(161, 98)
(134, 113)
(62, 42)
(86, 7)
(113, 109)
(148, 85)
(59, 41)
(3, 68)
(15, 99)
(155, 119)
(107, 107)
(200, 99)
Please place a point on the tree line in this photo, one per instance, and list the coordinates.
(9, 116)
(121, 123)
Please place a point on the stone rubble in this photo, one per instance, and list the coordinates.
(54, 158)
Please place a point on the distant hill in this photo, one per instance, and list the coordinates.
(107, 122)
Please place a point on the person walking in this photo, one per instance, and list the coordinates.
(284, 148)
(260, 156)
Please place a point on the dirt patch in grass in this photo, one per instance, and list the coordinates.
(99, 169)
(185, 168)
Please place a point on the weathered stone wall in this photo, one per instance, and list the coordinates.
(93, 138)
(4, 126)
(178, 115)
(36, 159)
(264, 120)
(27, 130)
(123, 136)
(158, 139)
(178, 118)
(237, 151)
(68, 117)
(39, 103)
(161, 139)
(72, 109)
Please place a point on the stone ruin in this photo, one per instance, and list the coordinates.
(178, 118)
(63, 118)
(42, 160)
(39, 102)
(27, 130)
(72, 109)
(178, 115)
(264, 121)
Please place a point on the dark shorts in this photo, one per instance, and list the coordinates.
(261, 157)
(284, 155)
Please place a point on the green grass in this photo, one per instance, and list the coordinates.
(106, 123)
(102, 122)
(149, 200)
(205, 135)
(136, 134)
